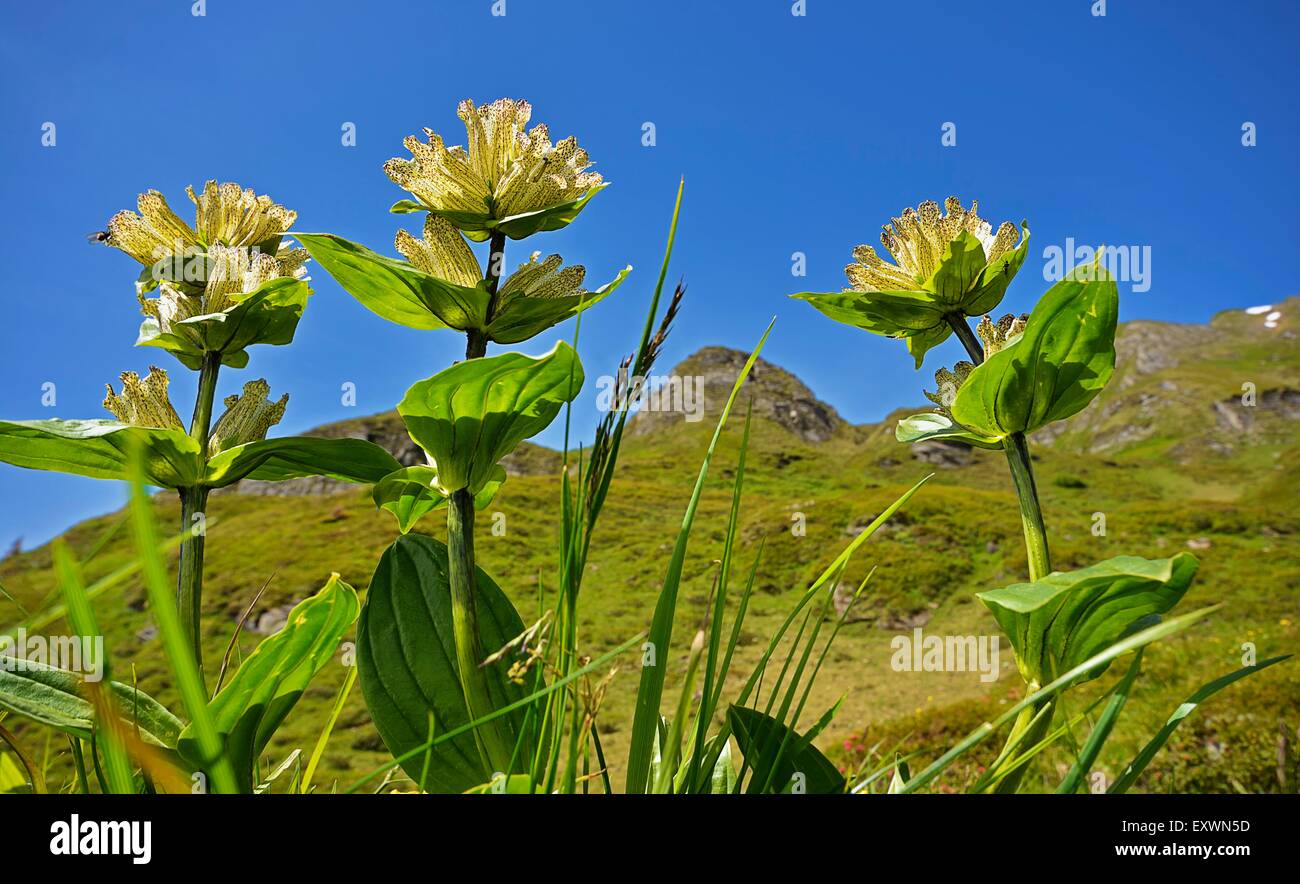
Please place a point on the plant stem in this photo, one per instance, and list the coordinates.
(1016, 447)
(189, 587)
(476, 346)
(493, 746)
(1031, 514)
(491, 741)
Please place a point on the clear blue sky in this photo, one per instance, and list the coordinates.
(793, 133)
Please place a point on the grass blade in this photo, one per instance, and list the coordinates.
(176, 643)
(1188, 706)
(1100, 731)
(1132, 643)
(650, 692)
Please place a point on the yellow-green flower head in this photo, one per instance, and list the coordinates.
(144, 401)
(225, 214)
(918, 240)
(544, 279)
(506, 170)
(247, 418)
(442, 253)
(947, 264)
(230, 273)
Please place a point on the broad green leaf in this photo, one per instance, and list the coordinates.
(934, 425)
(1186, 708)
(1095, 663)
(394, 289)
(292, 457)
(1062, 360)
(412, 493)
(478, 226)
(1067, 617)
(760, 737)
(249, 709)
(469, 416)
(520, 318)
(56, 698)
(894, 314)
(267, 315)
(407, 663)
(958, 271)
(101, 449)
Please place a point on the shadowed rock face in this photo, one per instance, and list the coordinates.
(777, 395)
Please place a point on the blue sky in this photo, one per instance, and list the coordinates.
(794, 134)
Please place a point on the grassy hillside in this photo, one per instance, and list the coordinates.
(1169, 454)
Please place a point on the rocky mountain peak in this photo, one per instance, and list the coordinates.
(696, 390)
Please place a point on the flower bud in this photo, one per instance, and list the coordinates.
(247, 418)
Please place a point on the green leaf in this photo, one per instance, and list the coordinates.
(407, 663)
(249, 709)
(1062, 360)
(274, 460)
(101, 449)
(996, 276)
(471, 415)
(1186, 708)
(959, 269)
(521, 318)
(1067, 617)
(478, 226)
(55, 698)
(394, 289)
(760, 738)
(550, 218)
(1101, 730)
(902, 773)
(894, 314)
(267, 315)
(645, 720)
(934, 425)
(412, 493)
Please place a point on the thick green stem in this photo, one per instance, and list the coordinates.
(1022, 471)
(492, 743)
(1031, 514)
(476, 345)
(493, 746)
(1016, 447)
(189, 585)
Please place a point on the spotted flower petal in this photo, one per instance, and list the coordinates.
(442, 253)
(505, 171)
(144, 401)
(248, 417)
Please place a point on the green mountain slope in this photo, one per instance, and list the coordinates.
(1169, 454)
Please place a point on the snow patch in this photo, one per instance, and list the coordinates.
(1255, 311)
